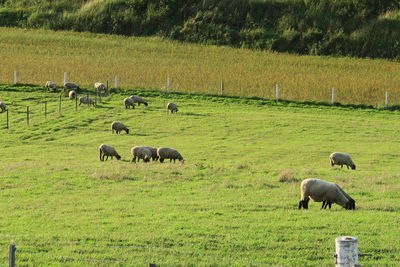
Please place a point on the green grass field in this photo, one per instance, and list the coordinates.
(233, 202)
(40, 55)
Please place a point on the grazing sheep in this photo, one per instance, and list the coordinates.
(128, 102)
(86, 100)
(169, 153)
(118, 127)
(72, 94)
(325, 192)
(138, 99)
(100, 87)
(106, 151)
(153, 151)
(141, 152)
(340, 158)
(51, 85)
(70, 86)
(172, 107)
(3, 107)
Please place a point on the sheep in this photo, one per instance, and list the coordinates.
(100, 87)
(141, 152)
(86, 100)
(70, 86)
(106, 151)
(128, 102)
(72, 94)
(327, 192)
(138, 99)
(340, 158)
(153, 151)
(172, 107)
(118, 127)
(51, 85)
(169, 153)
(3, 107)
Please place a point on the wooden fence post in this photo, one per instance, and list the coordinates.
(333, 96)
(276, 92)
(222, 88)
(169, 85)
(15, 77)
(45, 110)
(116, 82)
(387, 99)
(11, 257)
(65, 77)
(59, 105)
(7, 121)
(107, 88)
(27, 115)
(76, 102)
(88, 98)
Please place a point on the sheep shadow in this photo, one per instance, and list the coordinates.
(194, 114)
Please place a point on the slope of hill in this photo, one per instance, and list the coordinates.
(352, 28)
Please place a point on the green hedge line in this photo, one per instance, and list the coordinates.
(361, 28)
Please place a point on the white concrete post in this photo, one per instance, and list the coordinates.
(15, 77)
(116, 82)
(277, 92)
(346, 251)
(65, 77)
(333, 96)
(168, 85)
(387, 99)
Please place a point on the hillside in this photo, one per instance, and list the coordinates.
(232, 203)
(317, 27)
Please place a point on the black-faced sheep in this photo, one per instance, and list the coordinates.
(141, 152)
(86, 100)
(51, 85)
(72, 94)
(172, 107)
(325, 192)
(128, 102)
(153, 151)
(137, 99)
(3, 107)
(169, 153)
(108, 151)
(340, 158)
(118, 127)
(100, 87)
(70, 86)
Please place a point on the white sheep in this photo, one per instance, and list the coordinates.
(153, 151)
(172, 107)
(169, 153)
(118, 127)
(3, 107)
(325, 192)
(70, 86)
(141, 152)
(340, 158)
(51, 85)
(100, 87)
(72, 94)
(86, 100)
(138, 99)
(106, 151)
(128, 102)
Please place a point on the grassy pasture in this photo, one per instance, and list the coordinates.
(41, 55)
(233, 202)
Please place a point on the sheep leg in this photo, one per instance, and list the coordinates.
(134, 159)
(161, 160)
(100, 156)
(347, 166)
(323, 205)
(330, 205)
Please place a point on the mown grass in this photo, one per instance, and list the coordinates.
(233, 202)
(147, 63)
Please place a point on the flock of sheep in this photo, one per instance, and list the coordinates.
(327, 192)
(145, 153)
(315, 189)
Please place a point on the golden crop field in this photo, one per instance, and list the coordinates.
(40, 55)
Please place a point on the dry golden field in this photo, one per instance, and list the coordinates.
(40, 55)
